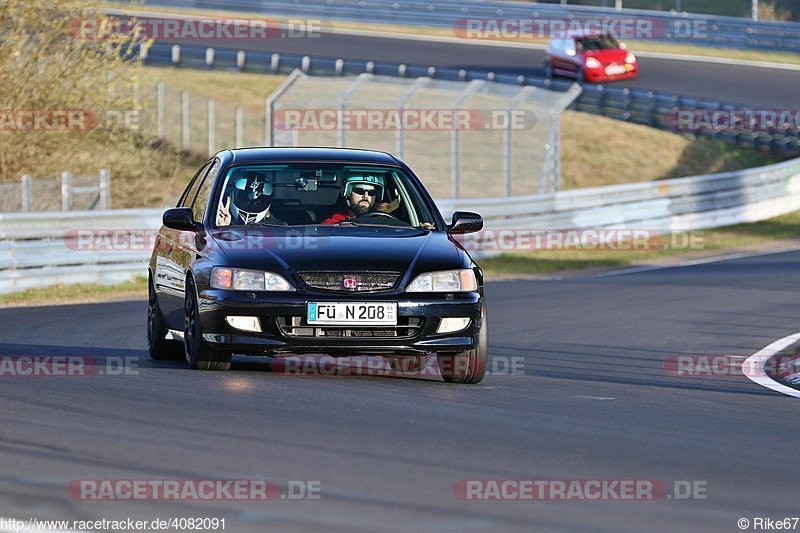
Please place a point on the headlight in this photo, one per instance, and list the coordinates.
(630, 58)
(593, 63)
(247, 280)
(445, 281)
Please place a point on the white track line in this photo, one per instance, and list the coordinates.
(755, 366)
(475, 42)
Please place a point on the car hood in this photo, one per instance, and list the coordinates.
(319, 248)
(614, 55)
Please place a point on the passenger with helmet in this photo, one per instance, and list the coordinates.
(248, 201)
(360, 193)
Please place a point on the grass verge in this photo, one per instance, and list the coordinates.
(776, 233)
(595, 150)
(72, 294)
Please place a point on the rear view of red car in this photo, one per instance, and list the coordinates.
(592, 58)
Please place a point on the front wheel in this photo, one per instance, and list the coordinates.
(470, 366)
(197, 351)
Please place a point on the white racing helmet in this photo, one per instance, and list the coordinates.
(355, 180)
(251, 196)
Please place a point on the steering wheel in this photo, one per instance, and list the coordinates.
(379, 214)
(392, 220)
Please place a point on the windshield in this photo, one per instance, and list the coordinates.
(300, 194)
(597, 43)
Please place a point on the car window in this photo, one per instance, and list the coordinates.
(301, 194)
(191, 190)
(597, 43)
(201, 201)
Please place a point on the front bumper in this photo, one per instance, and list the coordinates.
(599, 74)
(273, 309)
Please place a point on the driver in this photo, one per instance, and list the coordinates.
(360, 194)
(249, 201)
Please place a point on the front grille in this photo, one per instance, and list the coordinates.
(350, 282)
(292, 326)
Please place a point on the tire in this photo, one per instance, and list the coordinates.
(548, 69)
(198, 354)
(158, 347)
(470, 366)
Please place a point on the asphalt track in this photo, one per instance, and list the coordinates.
(757, 86)
(594, 402)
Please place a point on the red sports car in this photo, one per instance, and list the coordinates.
(592, 58)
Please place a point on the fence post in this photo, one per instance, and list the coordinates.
(105, 189)
(239, 120)
(455, 138)
(185, 119)
(508, 136)
(211, 126)
(341, 133)
(269, 106)
(26, 193)
(400, 136)
(160, 108)
(66, 200)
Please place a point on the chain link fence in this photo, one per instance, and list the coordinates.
(199, 124)
(466, 139)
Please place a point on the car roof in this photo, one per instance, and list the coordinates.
(348, 155)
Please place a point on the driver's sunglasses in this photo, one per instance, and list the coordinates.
(362, 191)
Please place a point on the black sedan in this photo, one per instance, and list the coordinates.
(287, 251)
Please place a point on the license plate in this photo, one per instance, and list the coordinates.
(352, 313)
(613, 70)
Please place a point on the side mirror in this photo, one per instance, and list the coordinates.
(465, 222)
(180, 218)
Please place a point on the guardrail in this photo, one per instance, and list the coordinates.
(650, 108)
(707, 30)
(45, 248)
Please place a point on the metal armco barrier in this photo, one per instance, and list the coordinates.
(732, 32)
(36, 249)
(640, 106)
